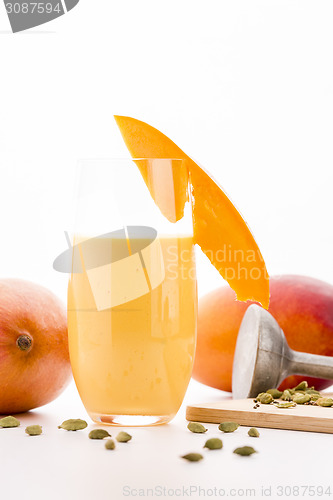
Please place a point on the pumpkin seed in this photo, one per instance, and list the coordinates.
(196, 427)
(73, 424)
(110, 444)
(98, 434)
(286, 404)
(324, 402)
(228, 426)
(245, 451)
(286, 395)
(275, 393)
(253, 432)
(34, 430)
(300, 399)
(312, 392)
(123, 437)
(301, 386)
(265, 398)
(213, 444)
(7, 422)
(193, 457)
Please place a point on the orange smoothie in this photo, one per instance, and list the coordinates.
(132, 328)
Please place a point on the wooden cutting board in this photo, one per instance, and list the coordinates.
(299, 418)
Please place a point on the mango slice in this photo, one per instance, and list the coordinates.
(219, 229)
(170, 204)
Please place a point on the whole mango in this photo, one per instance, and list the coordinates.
(34, 358)
(303, 307)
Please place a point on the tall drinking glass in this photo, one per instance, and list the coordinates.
(132, 295)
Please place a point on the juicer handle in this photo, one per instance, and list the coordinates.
(312, 365)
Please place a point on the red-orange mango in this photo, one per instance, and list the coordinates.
(302, 306)
(34, 358)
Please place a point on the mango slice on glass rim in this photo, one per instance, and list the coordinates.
(219, 229)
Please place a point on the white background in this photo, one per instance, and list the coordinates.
(245, 87)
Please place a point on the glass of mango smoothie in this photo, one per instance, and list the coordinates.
(132, 293)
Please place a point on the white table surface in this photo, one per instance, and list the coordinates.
(67, 465)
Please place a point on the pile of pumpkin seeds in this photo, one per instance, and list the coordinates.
(301, 394)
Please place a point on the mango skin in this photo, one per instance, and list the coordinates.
(33, 377)
(303, 307)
